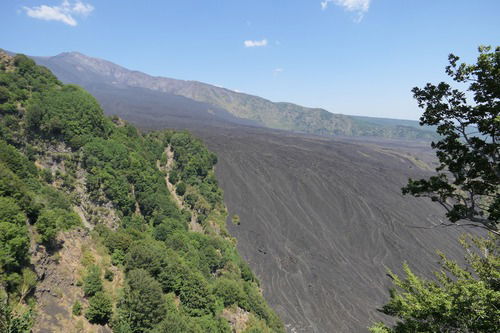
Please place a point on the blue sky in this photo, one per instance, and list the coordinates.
(347, 56)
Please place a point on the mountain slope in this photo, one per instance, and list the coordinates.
(320, 218)
(88, 72)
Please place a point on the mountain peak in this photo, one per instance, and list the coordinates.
(85, 63)
(71, 54)
(77, 56)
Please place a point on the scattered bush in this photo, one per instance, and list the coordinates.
(92, 283)
(180, 189)
(100, 309)
(118, 257)
(77, 308)
(4, 95)
(229, 291)
(51, 221)
(108, 274)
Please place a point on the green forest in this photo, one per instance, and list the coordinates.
(155, 259)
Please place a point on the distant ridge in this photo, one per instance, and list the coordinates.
(74, 67)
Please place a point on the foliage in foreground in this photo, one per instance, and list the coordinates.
(468, 177)
(458, 299)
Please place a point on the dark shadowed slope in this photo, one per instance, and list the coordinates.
(320, 221)
(145, 105)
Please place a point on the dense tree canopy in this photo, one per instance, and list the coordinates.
(69, 112)
(60, 155)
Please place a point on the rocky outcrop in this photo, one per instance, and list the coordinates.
(59, 273)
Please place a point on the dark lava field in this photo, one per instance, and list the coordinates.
(322, 219)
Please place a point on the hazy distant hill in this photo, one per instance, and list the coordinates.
(92, 72)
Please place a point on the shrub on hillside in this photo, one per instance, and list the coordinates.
(92, 282)
(100, 309)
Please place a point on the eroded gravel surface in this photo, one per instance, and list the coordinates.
(322, 219)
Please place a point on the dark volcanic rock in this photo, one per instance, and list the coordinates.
(322, 219)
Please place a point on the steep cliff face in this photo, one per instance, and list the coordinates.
(106, 229)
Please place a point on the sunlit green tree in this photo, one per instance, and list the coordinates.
(460, 298)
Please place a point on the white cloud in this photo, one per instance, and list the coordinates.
(64, 13)
(277, 71)
(255, 43)
(82, 8)
(360, 7)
